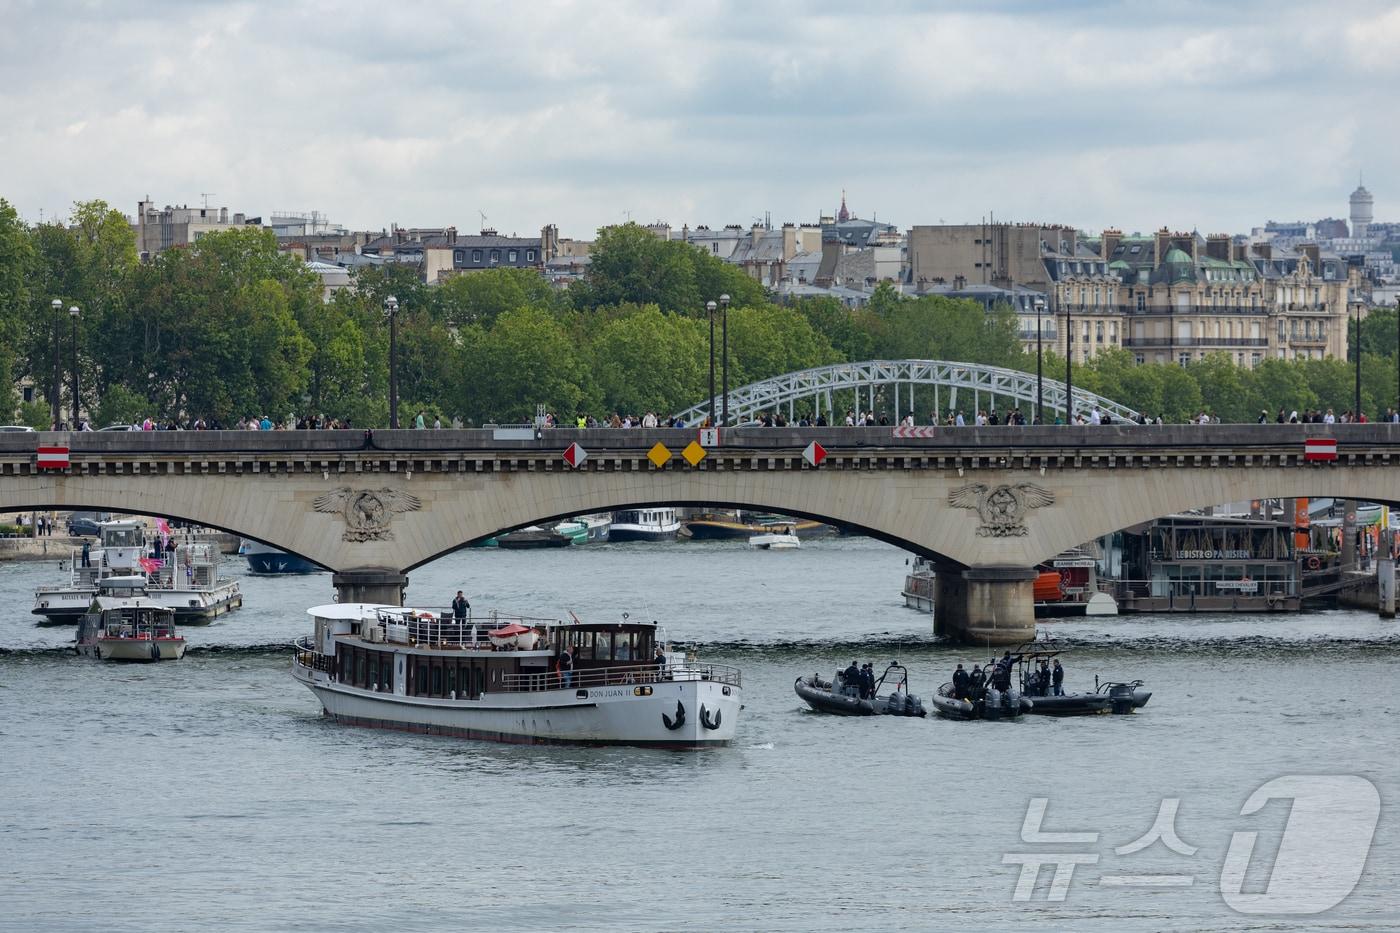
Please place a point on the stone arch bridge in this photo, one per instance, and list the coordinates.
(985, 504)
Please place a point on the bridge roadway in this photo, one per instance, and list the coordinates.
(985, 504)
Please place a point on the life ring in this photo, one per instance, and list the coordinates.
(1314, 563)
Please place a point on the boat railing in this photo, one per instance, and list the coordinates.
(636, 674)
(309, 657)
(438, 628)
(1187, 589)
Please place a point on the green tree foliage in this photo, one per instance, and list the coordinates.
(630, 265)
(528, 357)
(649, 361)
(481, 297)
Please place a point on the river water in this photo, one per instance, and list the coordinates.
(210, 793)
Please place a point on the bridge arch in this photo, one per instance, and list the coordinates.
(942, 384)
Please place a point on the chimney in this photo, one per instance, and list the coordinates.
(549, 242)
(452, 236)
(959, 282)
(1218, 246)
(1161, 243)
(1111, 239)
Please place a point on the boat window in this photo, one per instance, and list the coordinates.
(437, 680)
(386, 672)
(452, 679)
(420, 680)
(361, 671)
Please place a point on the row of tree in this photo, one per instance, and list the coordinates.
(229, 327)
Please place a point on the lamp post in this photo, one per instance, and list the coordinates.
(391, 311)
(73, 313)
(1356, 409)
(724, 355)
(1039, 353)
(1069, 361)
(1397, 353)
(710, 307)
(57, 305)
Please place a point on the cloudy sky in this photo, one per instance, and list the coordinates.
(1207, 115)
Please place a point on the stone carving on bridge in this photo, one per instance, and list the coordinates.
(1002, 508)
(367, 512)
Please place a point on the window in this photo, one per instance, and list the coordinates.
(1139, 359)
(495, 255)
(529, 255)
(1141, 302)
(476, 255)
(512, 256)
(459, 256)
(1183, 359)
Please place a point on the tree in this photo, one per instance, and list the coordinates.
(629, 264)
(16, 268)
(650, 361)
(481, 297)
(528, 357)
(770, 341)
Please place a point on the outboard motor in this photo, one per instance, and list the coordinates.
(1013, 702)
(1121, 698)
(993, 703)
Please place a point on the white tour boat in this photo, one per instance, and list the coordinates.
(500, 678)
(185, 579)
(124, 624)
(644, 525)
(781, 538)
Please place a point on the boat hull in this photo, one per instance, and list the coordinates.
(624, 533)
(135, 649)
(676, 714)
(191, 606)
(277, 562)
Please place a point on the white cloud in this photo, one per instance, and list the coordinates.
(422, 113)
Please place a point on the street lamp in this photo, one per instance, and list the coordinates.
(57, 305)
(724, 341)
(391, 311)
(73, 313)
(1069, 361)
(1397, 353)
(1039, 352)
(710, 307)
(1356, 409)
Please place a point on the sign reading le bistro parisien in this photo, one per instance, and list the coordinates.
(1213, 555)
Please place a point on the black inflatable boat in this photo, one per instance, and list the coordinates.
(840, 700)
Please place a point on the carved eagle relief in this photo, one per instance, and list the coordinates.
(367, 512)
(1003, 508)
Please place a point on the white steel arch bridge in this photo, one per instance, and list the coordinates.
(918, 386)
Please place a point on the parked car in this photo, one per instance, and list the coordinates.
(82, 527)
(120, 427)
(4, 428)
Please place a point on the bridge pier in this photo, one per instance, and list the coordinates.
(370, 585)
(991, 606)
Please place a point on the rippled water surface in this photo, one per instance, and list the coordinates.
(210, 793)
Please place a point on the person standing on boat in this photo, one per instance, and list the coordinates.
(459, 608)
(660, 662)
(960, 683)
(976, 682)
(87, 554)
(566, 667)
(850, 678)
(1058, 678)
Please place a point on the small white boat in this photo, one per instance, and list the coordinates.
(124, 624)
(781, 538)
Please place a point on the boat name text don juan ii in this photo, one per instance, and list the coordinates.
(509, 679)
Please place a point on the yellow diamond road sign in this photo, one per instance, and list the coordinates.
(659, 455)
(693, 453)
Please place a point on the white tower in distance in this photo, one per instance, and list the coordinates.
(1361, 211)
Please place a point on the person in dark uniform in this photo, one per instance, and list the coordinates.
(977, 682)
(960, 683)
(851, 677)
(460, 607)
(1001, 677)
(1058, 678)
